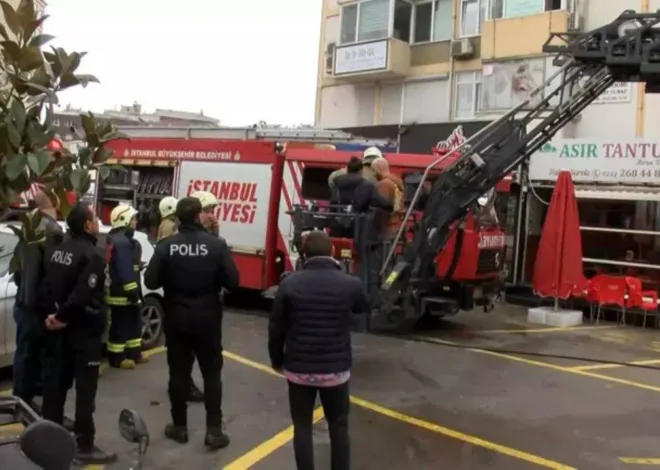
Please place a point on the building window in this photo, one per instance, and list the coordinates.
(497, 9)
(402, 20)
(507, 84)
(470, 18)
(367, 20)
(432, 21)
(468, 94)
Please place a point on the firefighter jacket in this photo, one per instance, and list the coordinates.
(123, 256)
(32, 257)
(192, 267)
(74, 283)
(167, 228)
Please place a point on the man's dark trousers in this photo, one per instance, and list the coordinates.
(79, 362)
(182, 349)
(336, 403)
(29, 355)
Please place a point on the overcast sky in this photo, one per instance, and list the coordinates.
(240, 61)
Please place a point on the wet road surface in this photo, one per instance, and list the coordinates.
(423, 405)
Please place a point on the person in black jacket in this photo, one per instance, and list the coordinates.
(309, 341)
(353, 189)
(34, 343)
(74, 288)
(192, 267)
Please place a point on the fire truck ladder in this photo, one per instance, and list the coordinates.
(251, 133)
(626, 50)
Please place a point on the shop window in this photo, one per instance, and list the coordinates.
(315, 183)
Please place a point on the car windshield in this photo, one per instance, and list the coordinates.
(8, 242)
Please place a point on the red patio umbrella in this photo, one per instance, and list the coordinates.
(558, 267)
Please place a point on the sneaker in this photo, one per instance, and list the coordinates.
(177, 433)
(94, 456)
(195, 395)
(127, 364)
(216, 438)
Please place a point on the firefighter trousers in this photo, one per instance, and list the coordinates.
(79, 360)
(125, 334)
(182, 349)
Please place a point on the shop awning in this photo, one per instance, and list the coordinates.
(614, 192)
(618, 193)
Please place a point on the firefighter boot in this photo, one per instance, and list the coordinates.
(216, 438)
(177, 433)
(127, 364)
(143, 359)
(93, 456)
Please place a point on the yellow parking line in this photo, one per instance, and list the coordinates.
(648, 362)
(476, 441)
(557, 329)
(639, 461)
(547, 365)
(266, 448)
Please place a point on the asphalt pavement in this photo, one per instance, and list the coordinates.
(479, 391)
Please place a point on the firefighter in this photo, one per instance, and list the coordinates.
(192, 267)
(73, 287)
(369, 156)
(209, 203)
(167, 209)
(123, 295)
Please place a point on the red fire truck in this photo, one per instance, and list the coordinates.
(258, 183)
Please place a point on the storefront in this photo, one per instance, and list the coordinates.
(617, 185)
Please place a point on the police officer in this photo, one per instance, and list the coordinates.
(192, 267)
(124, 295)
(74, 284)
(167, 228)
(167, 209)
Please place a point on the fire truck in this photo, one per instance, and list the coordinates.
(258, 180)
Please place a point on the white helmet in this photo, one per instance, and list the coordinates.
(206, 198)
(371, 154)
(167, 206)
(122, 215)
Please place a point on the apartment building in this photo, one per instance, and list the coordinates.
(414, 69)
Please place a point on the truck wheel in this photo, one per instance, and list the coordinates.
(152, 322)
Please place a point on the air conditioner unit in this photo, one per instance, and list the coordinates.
(462, 49)
(330, 58)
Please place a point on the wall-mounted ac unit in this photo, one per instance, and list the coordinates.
(330, 58)
(462, 49)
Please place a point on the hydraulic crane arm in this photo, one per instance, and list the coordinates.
(628, 49)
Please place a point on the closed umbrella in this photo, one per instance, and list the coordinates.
(558, 268)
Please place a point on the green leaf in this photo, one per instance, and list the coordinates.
(15, 166)
(104, 172)
(31, 59)
(14, 264)
(88, 124)
(26, 12)
(13, 135)
(11, 17)
(118, 168)
(41, 40)
(102, 154)
(85, 79)
(84, 156)
(67, 81)
(38, 162)
(77, 178)
(34, 25)
(12, 49)
(19, 114)
(3, 32)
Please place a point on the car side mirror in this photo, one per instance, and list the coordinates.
(132, 427)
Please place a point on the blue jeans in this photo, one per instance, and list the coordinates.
(21, 347)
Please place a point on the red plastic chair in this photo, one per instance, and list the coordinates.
(644, 300)
(610, 291)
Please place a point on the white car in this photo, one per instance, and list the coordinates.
(152, 309)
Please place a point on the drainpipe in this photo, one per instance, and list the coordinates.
(640, 118)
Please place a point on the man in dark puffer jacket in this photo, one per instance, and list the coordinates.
(310, 342)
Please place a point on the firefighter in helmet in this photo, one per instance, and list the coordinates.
(123, 290)
(168, 224)
(208, 218)
(369, 156)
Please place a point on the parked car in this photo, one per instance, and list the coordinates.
(152, 308)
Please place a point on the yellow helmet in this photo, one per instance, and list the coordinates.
(206, 198)
(122, 215)
(167, 206)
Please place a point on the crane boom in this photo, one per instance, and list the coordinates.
(626, 50)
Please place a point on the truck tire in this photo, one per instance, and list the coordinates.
(152, 322)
